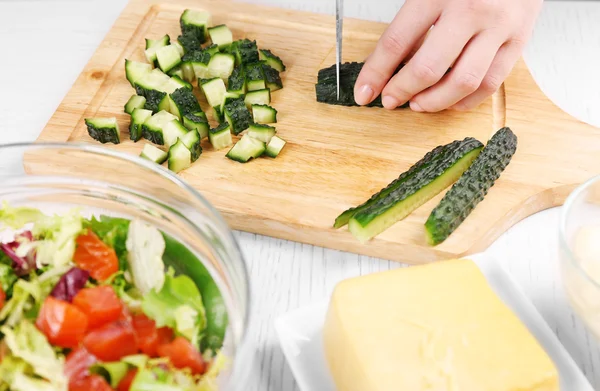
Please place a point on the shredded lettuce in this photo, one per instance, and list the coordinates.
(56, 236)
(145, 246)
(130, 295)
(178, 305)
(7, 278)
(17, 217)
(113, 372)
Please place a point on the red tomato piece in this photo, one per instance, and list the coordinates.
(100, 304)
(78, 363)
(90, 383)
(62, 323)
(2, 298)
(125, 383)
(94, 256)
(183, 355)
(111, 341)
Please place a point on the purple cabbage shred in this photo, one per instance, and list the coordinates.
(70, 283)
(21, 265)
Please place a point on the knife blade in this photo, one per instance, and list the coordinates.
(339, 22)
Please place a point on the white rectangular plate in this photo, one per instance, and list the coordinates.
(300, 336)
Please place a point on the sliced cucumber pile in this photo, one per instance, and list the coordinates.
(236, 78)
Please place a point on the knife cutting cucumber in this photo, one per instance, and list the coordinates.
(472, 186)
(423, 181)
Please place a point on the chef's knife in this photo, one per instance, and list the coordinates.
(339, 21)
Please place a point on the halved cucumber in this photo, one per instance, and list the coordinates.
(221, 65)
(134, 71)
(172, 131)
(220, 35)
(410, 191)
(180, 157)
(260, 97)
(264, 114)
(191, 140)
(275, 146)
(214, 90)
(154, 154)
(168, 57)
(105, 130)
(246, 149)
(152, 130)
(135, 102)
(138, 118)
(262, 133)
(195, 22)
(152, 45)
(220, 137)
(197, 122)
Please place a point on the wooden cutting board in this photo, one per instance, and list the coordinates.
(337, 157)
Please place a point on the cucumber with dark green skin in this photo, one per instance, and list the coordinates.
(237, 81)
(326, 87)
(238, 115)
(271, 59)
(186, 101)
(472, 186)
(189, 42)
(424, 183)
(272, 78)
(244, 51)
(105, 130)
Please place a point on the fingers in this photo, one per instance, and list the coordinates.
(501, 67)
(411, 23)
(440, 49)
(465, 77)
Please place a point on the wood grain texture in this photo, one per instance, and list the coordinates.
(337, 156)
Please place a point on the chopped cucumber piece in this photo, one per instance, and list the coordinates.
(261, 132)
(185, 101)
(154, 154)
(152, 46)
(135, 71)
(189, 42)
(177, 71)
(228, 97)
(264, 114)
(168, 57)
(221, 65)
(105, 130)
(275, 146)
(176, 83)
(195, 22)
(138, 118)
(220, 137)
(151, 87)
(272, 78)
(197, 61)
(188, 72)
(197, 122)
(212, 49)
(237, 81)
(218, 114)
(191, 140)
(245, 51)
(135, 102)
(246, 149)
(179, 47)
(237, 115)
(220, 35)
(214, 90)
(152, 129)
(272, 60)
(260, 97)
(255, 76)
(180, 157)
(172, 131)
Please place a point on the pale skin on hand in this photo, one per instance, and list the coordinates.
(480, 40)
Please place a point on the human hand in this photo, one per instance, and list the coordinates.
(480, 39)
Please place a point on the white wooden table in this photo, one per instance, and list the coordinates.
(45, 44)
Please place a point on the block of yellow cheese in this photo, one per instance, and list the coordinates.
(436, 327)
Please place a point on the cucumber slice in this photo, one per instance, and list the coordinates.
(105, 130)
(246, 149)
(272, 60)
(180, 157)
(264, 114)
(191, 140)
(220, 137)
(152, 129)
(262, 133)
(255, 76)
(135, 102)
(138, 118)
(220, 35)
(172, 131)
(237, 115)
(197, 122)
(168, 57)
(214, 90)
(237, 81)
(221, 65)
(189, 42)
(195, 23)
(135, 71)
(471, 187)
(185, 101)
(260, 97)
(152, 46)
(407, 193)
(272, 78)
(275, 146)
(154, 154)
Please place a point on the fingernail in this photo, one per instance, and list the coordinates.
(389, 102)
(364, 96)
(414, 106)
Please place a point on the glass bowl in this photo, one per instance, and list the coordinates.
(579, 246)
(100, 181)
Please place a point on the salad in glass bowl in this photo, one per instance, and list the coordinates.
(94, 304)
